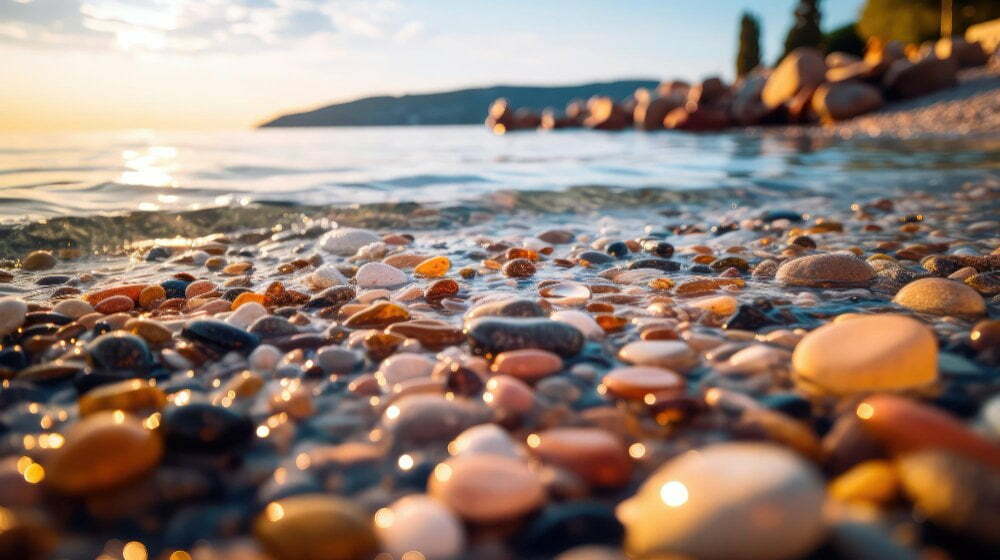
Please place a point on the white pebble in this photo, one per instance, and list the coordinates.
(264, 358)
(346, 241)
(246, 314)
(379, 275)
(324, 277)
(74, 308)
(12, 312)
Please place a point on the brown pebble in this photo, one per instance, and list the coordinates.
(518, 268)
(114, 304)
(596, 455)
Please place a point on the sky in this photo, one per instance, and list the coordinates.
(220, 64)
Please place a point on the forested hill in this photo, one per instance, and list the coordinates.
(464, 106)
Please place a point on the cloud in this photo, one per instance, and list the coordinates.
(409, 31)
(191, 26)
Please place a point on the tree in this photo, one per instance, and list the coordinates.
(805, 32)
(748, 56)
(845, 39)
(915, 21)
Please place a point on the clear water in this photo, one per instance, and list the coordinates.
(85, 174)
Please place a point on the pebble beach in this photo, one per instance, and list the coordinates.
(800, 378)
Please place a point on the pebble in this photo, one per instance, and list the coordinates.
(596, 455)
(518, 268)
(402, 367)
(420, 523)
(904, 426)
(102, 451)
(315, 527)
(583, 322)
(639, 381)
(718, 305)
(508, 308)
(205, 428)
(334, 359)
(324, 277)
(509, 395)
(940, 297)
(346, 241)
(670, 354)
(871, 482)
(484, 439)
(114, 304)
(709, 504)
(985, 334)
(563, 526)
(491, 336)
(379, 275)
(12, 312)
(869, 353)
(264, 358)
(244, 316)
(74, 308)
(219, 335)
(422, 418)
(120, 351)
(39, 260)
(487, 488)
(377, 315)
(528, 364)
(133, 396)
(434, 267)
(151, 331)
(432, 335)
(828, 270)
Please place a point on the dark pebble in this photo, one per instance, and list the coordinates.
(232, 293)
(788, 403)
(219, 335)
(748, 318)
(157, 254)
(560, 527)
(595, 257)
(775, 215)
(494, 335)
(723, 228)
(12, 358)
(334, 296)
(205, 428)
(272, 326)
(120, 351)
(658, 264)
(658, 248)
(46, 318)
(174, 288)
(53, 280)
(617, 249)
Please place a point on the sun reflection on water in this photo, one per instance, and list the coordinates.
(152, 167)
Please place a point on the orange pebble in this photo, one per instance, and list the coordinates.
(152, 295)
(198, 287)
(114, 304)
(247, 297)
(130, 291)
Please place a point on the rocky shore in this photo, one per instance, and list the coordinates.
(947, 88)
(706, 381)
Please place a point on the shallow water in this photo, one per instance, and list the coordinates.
(75, 174)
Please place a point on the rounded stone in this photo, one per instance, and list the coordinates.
(315, 527)
(39, 260)
(670, 354)
(639, 381)
(120, 351)
(379, 275)
(205, 428)
(829, 270)
(12, 312)
(509, 395)
(219, 335)
(595, 455)
(869, 353)
(487, 488)
(246, 314)
(528, 364)
(940, 296)
(583, 322)
(434, 267)
(985, 334)
(420, 523)
(484, 439)
(491, 336)
(508, 308)
(729, 501)
(346, 241)
(424, 418)
(102, 451)
(325, 276)
(74, 308)
(132, 395)
(401, 367)
(334, 359)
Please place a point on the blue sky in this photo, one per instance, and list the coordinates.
(230, 63)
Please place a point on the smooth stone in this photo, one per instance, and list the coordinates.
(509, 395)
(869, 353)
(869, 482)
(120, 351)
(583, 322)
(219, 335)
(379, 275)
(246, 314)
(272, 326)
(102, 451)
(710, 503)
(491, 336)
(434, 267)
(377, 315)
(205, 428)
(508, 308)
(563, 526)
(420, 523)
(638, 381)
(325, 276)
(985, 334)
(334, 359)
(829, 270)
(717, 305)
(74, 308)
(150, 330)
(663, 265)
(527, 365)
(39, 260)
(315, 527)
(487, 488)
(955, 492)
(597, 456)
(334, 296)
(402, 367)
(904, 425)
(264, 358)
(595, 257)
(432, 335)
(484, 439)
(670, 354)
(12, 312)
(940, 297)
(133, 395)
(424, 418)
(346, 241)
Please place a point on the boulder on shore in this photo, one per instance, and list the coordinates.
(802, 70)
(697, 119)
(843, 100)
(905, 79)
(605, 114)
(747, 108)
(651, 109)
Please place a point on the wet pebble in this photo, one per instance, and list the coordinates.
(346, 241)
(315, 527)
(12, 312)
(379, 275)
(828, 270)
(205, 428)
(670, 354)
(39, 260)
(487, 488)
(420, 523)
(940, 297)
(528, 364)
(495, 335)
(597, 456)
(219, 335)
(120, 351)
